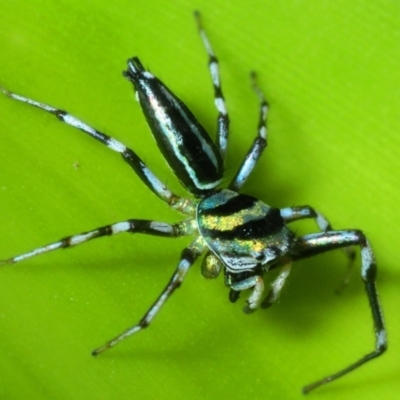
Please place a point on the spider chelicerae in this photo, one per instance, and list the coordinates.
(239, 234)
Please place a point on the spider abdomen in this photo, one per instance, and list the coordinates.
(184, 142)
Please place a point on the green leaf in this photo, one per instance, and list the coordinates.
(331, 72)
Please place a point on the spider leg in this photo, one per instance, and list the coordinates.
(132, 225)
(317, 243)
(143, 172)
(255, 282)
(291, 214)
(219, 100)
(188, 257)
(277, 285)
(259, 144)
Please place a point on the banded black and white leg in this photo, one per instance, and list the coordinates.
(313, 244)
(253, 155)
(147, 227)
(219, 100)
(188, 257)
(211, 266)
(259, 143)
(144, 173)
(291, 214)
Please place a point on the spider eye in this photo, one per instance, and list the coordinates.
(260, 257)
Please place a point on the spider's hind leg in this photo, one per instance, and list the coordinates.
(219, 100)
(259, 144)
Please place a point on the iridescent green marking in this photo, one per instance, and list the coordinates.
(241, 230)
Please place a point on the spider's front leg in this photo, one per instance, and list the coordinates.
(291, 214)
(313, 244)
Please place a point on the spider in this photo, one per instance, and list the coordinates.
(239, 234)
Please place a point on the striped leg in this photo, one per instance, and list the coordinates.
(144, 173)
(132, 225)
(259, 144)
(223, 117)
(188, 257)
(291, 214)
(313, 244)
